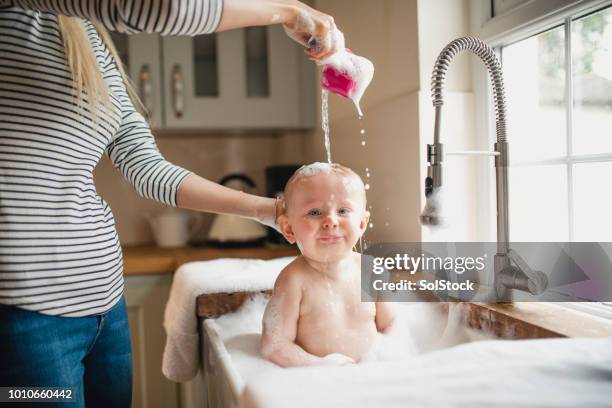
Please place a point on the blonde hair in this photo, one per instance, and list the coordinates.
(84, 67)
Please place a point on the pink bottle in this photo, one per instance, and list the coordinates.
(337, 82)
(348, 75)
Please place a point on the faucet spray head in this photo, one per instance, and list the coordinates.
(431, 215)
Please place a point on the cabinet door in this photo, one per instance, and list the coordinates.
(140, 54)
(245, 78)
(146, 298)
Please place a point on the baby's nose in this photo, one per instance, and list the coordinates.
(330, 221)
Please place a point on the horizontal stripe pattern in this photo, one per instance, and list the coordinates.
(59, 249)
(168, 17)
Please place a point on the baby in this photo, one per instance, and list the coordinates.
(316, 315)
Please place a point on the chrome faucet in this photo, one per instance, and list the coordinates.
(510, 270)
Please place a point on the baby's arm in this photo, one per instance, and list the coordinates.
(385, 315)
(280, 323)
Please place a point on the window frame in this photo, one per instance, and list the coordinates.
(519, 23)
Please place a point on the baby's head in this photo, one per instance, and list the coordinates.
(324, 211)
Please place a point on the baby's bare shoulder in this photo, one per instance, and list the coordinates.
(292, 275)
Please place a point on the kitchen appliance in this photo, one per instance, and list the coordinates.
(173, 228)
(276, 179)
(234, 231)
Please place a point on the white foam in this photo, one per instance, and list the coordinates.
(315, 168)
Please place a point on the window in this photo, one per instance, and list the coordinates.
(560, 124)
(559, 92)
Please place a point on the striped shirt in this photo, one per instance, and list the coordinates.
(59, 249)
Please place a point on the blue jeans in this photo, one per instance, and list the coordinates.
(92, 355)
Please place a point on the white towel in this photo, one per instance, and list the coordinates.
(180, 360)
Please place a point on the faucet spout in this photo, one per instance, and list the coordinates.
(433, 181)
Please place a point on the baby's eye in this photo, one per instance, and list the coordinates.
(314, 212)
(344, 211)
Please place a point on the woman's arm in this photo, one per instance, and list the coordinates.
(134, 152)
(168, 17)
(197, 193)
(193, 17)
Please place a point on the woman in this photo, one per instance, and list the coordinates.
(64, 102)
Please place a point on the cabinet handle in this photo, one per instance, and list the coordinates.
(177, 91)
(145, 88)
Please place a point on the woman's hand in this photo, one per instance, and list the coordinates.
(316, 31)
(271, 210)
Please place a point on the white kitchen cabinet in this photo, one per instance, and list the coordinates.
(245, 79)
(146, 297)
(141, 55)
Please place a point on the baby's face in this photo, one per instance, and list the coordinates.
(325, 215)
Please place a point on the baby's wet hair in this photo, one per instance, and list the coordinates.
(317, 168)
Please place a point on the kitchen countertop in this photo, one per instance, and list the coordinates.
(146, 259)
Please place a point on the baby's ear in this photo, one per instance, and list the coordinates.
(364, 221)
(285, 227)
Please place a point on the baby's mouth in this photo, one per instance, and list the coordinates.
(329, 239)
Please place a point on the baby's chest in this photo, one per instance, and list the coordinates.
(336, 305)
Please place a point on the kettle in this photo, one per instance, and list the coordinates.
(172, 229)
(232, 230)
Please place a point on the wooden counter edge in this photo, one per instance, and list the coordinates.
(529, 320)
(149, 259)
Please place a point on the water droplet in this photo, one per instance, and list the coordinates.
(367, 174)
(371, 225)
(362, 131)
(367, 169)
(367, 186)
(363, 143)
